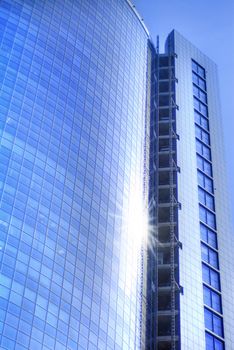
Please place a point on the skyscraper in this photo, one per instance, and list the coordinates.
(190, 291)
(73, 128)
(100, 136)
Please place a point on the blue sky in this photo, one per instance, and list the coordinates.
(209, 25)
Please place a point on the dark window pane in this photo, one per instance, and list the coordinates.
(213, 322)
(210, 276)
(212, 299)
(214, 279)
(209, 256)
(218, 325)
(212, 343)
(208, 236)
(218, 344)
(209, 342)
(216, 301)
(208, 320)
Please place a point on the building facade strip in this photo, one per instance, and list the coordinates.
(73, 116)
(209, 247)
(193, 91)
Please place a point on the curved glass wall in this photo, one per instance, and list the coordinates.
(72, 160)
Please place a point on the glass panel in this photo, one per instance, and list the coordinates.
(202, 96)
(202, 213)
(201, 195)
(203, 231)
(205, 137)
(212, 299)
(218, 344)
(206, 273)
(194, 66)
(208, 320)
(196, 104)
(207, 168)
(212, 343)
(204, 123)
(195, 78)
(207, 296)
(208, 236)
(214, 322)
(202, 83)
(199, 147)
(205, 253)
(209, 255)
(206, 199)
(209, 342)
(203, 150)
(200, 162)
(210, 276)
(200, 179)
(198, 132)
(214, 279)
(201, 71)
(213, 258)
(195, 91)
(202, 135)
(205, 182)
(199, 119)
(206, 152)
(208, 184)
(211, 220)
(216, 301)
(218, 325)
(210, 201)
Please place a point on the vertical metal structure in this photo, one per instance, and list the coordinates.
(172, 206)
(152, 306)
(168, 287)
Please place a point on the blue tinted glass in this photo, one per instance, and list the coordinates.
(213, 322)
(210, 276)
(212, 299)
(209, 342)
(208, 236)
(72, 123)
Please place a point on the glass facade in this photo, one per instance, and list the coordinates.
(204, 228)
(106, 146)
(209, 246)
(73, 127)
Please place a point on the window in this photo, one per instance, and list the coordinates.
(204, 165)
(201, 95)
(207, 217)
(202, 135)
(203, 150)
(214, 322)
(210, 276)
(208, 236)
(205, 181)
(212, 343)
(206, 199)
(202, 121)
(198, 69)
(199, 81)
(209, 256)
(212, 299)
(199, 106)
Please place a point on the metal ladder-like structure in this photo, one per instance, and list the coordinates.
(164, 302)
(172, 167)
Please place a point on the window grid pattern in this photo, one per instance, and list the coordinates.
(209, 247)
(72, 130)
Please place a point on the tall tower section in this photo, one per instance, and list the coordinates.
(73, 160)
